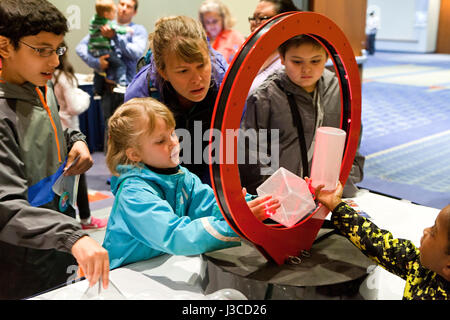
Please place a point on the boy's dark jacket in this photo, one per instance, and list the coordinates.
(398, 256)
(33, 150)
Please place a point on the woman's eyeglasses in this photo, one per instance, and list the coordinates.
(47, 52)
(258, 20)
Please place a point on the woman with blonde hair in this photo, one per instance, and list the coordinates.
(184, 73)
(218, 23)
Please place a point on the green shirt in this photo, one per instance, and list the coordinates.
(96, 40)
(397, 256)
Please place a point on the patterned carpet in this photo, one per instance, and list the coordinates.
(406, 126)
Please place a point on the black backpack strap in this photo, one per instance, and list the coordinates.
(297, 122)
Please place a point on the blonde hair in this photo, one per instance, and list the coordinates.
(220, 8)
(181, 35)
(132, 119)
(103, 6)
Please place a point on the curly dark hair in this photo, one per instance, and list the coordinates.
(21, 18)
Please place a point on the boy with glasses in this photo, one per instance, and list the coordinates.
(267, 9)
(39, 238)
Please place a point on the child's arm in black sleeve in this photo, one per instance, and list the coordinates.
(394, 255)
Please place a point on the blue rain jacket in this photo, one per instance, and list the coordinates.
(159, 213)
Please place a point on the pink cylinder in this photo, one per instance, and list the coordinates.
(327, 157)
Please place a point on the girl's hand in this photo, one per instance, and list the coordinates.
(262, 207)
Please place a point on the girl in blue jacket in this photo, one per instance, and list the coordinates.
(184, 73)
(160, 206)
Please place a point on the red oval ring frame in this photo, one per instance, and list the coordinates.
(278, 244)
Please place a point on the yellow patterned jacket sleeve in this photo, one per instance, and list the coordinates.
(395, 255)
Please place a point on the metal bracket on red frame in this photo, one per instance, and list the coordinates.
(279, 243)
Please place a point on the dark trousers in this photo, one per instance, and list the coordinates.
(110, 102)
(117, 72)
(99, 84)
(371, 43)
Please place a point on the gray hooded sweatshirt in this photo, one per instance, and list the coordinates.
(268, 108)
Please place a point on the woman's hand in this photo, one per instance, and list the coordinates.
(262, 207)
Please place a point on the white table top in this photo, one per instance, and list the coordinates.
(162, 278)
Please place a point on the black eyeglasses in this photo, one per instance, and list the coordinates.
(258, 20)
(47, 52)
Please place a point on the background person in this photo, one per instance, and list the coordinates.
(265, 10)
(372, 26)
(218, 23)
(99, 45)
(130, 47)
(72, 102)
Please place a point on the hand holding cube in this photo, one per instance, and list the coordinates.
(262, 207)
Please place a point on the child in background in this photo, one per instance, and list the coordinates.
(160, 206)
(40, 240)
(99, 45)
(218, 22)
(316, 94)
(425, 269)
(72, 102)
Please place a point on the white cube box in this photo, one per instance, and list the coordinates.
(292, 192)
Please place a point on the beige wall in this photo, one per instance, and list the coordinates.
(241, 10)
(80, 12)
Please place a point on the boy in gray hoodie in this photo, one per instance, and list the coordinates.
(39, 238)
(314, 90)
